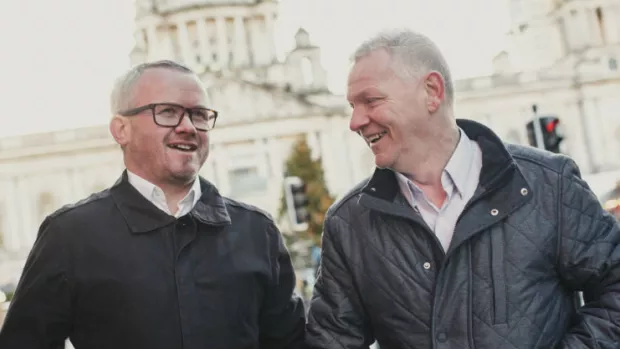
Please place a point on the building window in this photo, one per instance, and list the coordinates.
(246, 181)
(306, 71)
(613, 64)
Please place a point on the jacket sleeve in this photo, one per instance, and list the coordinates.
(589, 261)
(336, 319)
(39, 316)
(282, 317)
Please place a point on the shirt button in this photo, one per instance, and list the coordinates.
(442, 337)
(427, 265)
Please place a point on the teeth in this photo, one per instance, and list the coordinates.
(182, 146)
(376, 137)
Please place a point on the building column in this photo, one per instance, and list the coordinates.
(77, 183)
(183, 40)
(241, 45)
(255, 38)
(312, 137)
(222, 41)
(10, 217)
(26, 202)
(152, 44)
(165, 49)
(275, 159)
(203, 41)
(221, 170)
(269, 38)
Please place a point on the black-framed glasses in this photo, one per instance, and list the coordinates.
(171, 115)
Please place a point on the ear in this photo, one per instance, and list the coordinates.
(435, 90)
(120, 128)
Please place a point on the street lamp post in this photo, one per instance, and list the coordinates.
(538, 132)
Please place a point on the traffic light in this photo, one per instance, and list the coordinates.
(296, 202)
(551, 134)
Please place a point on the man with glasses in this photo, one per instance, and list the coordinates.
(160, 259)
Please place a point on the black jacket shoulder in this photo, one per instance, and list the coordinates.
(246, 209)
(88, 208)
(347, 199)
(534, 156)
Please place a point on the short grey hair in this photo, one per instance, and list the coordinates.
(416, 52)
(121, 97)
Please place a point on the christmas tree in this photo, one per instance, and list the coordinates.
(310, 171)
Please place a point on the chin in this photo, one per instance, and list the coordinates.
(382, 161)
(184, 175)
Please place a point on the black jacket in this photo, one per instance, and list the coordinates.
(532, 236)
(114, 272)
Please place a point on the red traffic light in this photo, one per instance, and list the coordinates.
(551, 125)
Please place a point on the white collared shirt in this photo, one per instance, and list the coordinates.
(459, 179)
(156, 196)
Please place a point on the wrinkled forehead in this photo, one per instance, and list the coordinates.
(166, 85)
(372, 65)
(368, 72)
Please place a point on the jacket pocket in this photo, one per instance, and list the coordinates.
(498, 274)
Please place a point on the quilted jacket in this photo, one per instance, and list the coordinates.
(529, 240)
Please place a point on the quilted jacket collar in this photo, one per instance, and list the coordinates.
(142, 216)
(497, 164)
(501, 190)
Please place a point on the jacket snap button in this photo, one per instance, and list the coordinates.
(441, 337)
(523, 191)
(373, 189)
(427, 265)
(494, 212)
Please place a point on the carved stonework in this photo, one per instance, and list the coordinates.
(242, 102)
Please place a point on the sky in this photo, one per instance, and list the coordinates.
(60, 57)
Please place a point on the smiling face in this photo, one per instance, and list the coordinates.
(390, 112)
(163, 155)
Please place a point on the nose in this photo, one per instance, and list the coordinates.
(186, 125)
(359, 119)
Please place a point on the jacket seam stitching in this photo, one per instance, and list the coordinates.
(345, 199)
(560, 197)
(539, 163)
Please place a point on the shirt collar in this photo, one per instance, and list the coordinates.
(459, 165)
(455, 174)
(150, 191)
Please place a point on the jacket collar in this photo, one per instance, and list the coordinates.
(502, 189)
(142, 216)
(496, 163)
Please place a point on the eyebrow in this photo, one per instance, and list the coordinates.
(365, 93)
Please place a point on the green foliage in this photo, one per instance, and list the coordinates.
(300, 164)
(9, 295)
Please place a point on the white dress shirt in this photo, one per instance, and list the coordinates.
(156, 196)
(459, 180)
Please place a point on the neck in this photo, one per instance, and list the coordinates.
(174, 193)
(174, 189)
(426, 166)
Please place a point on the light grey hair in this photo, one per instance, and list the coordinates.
(122, 94)
(416, 53)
